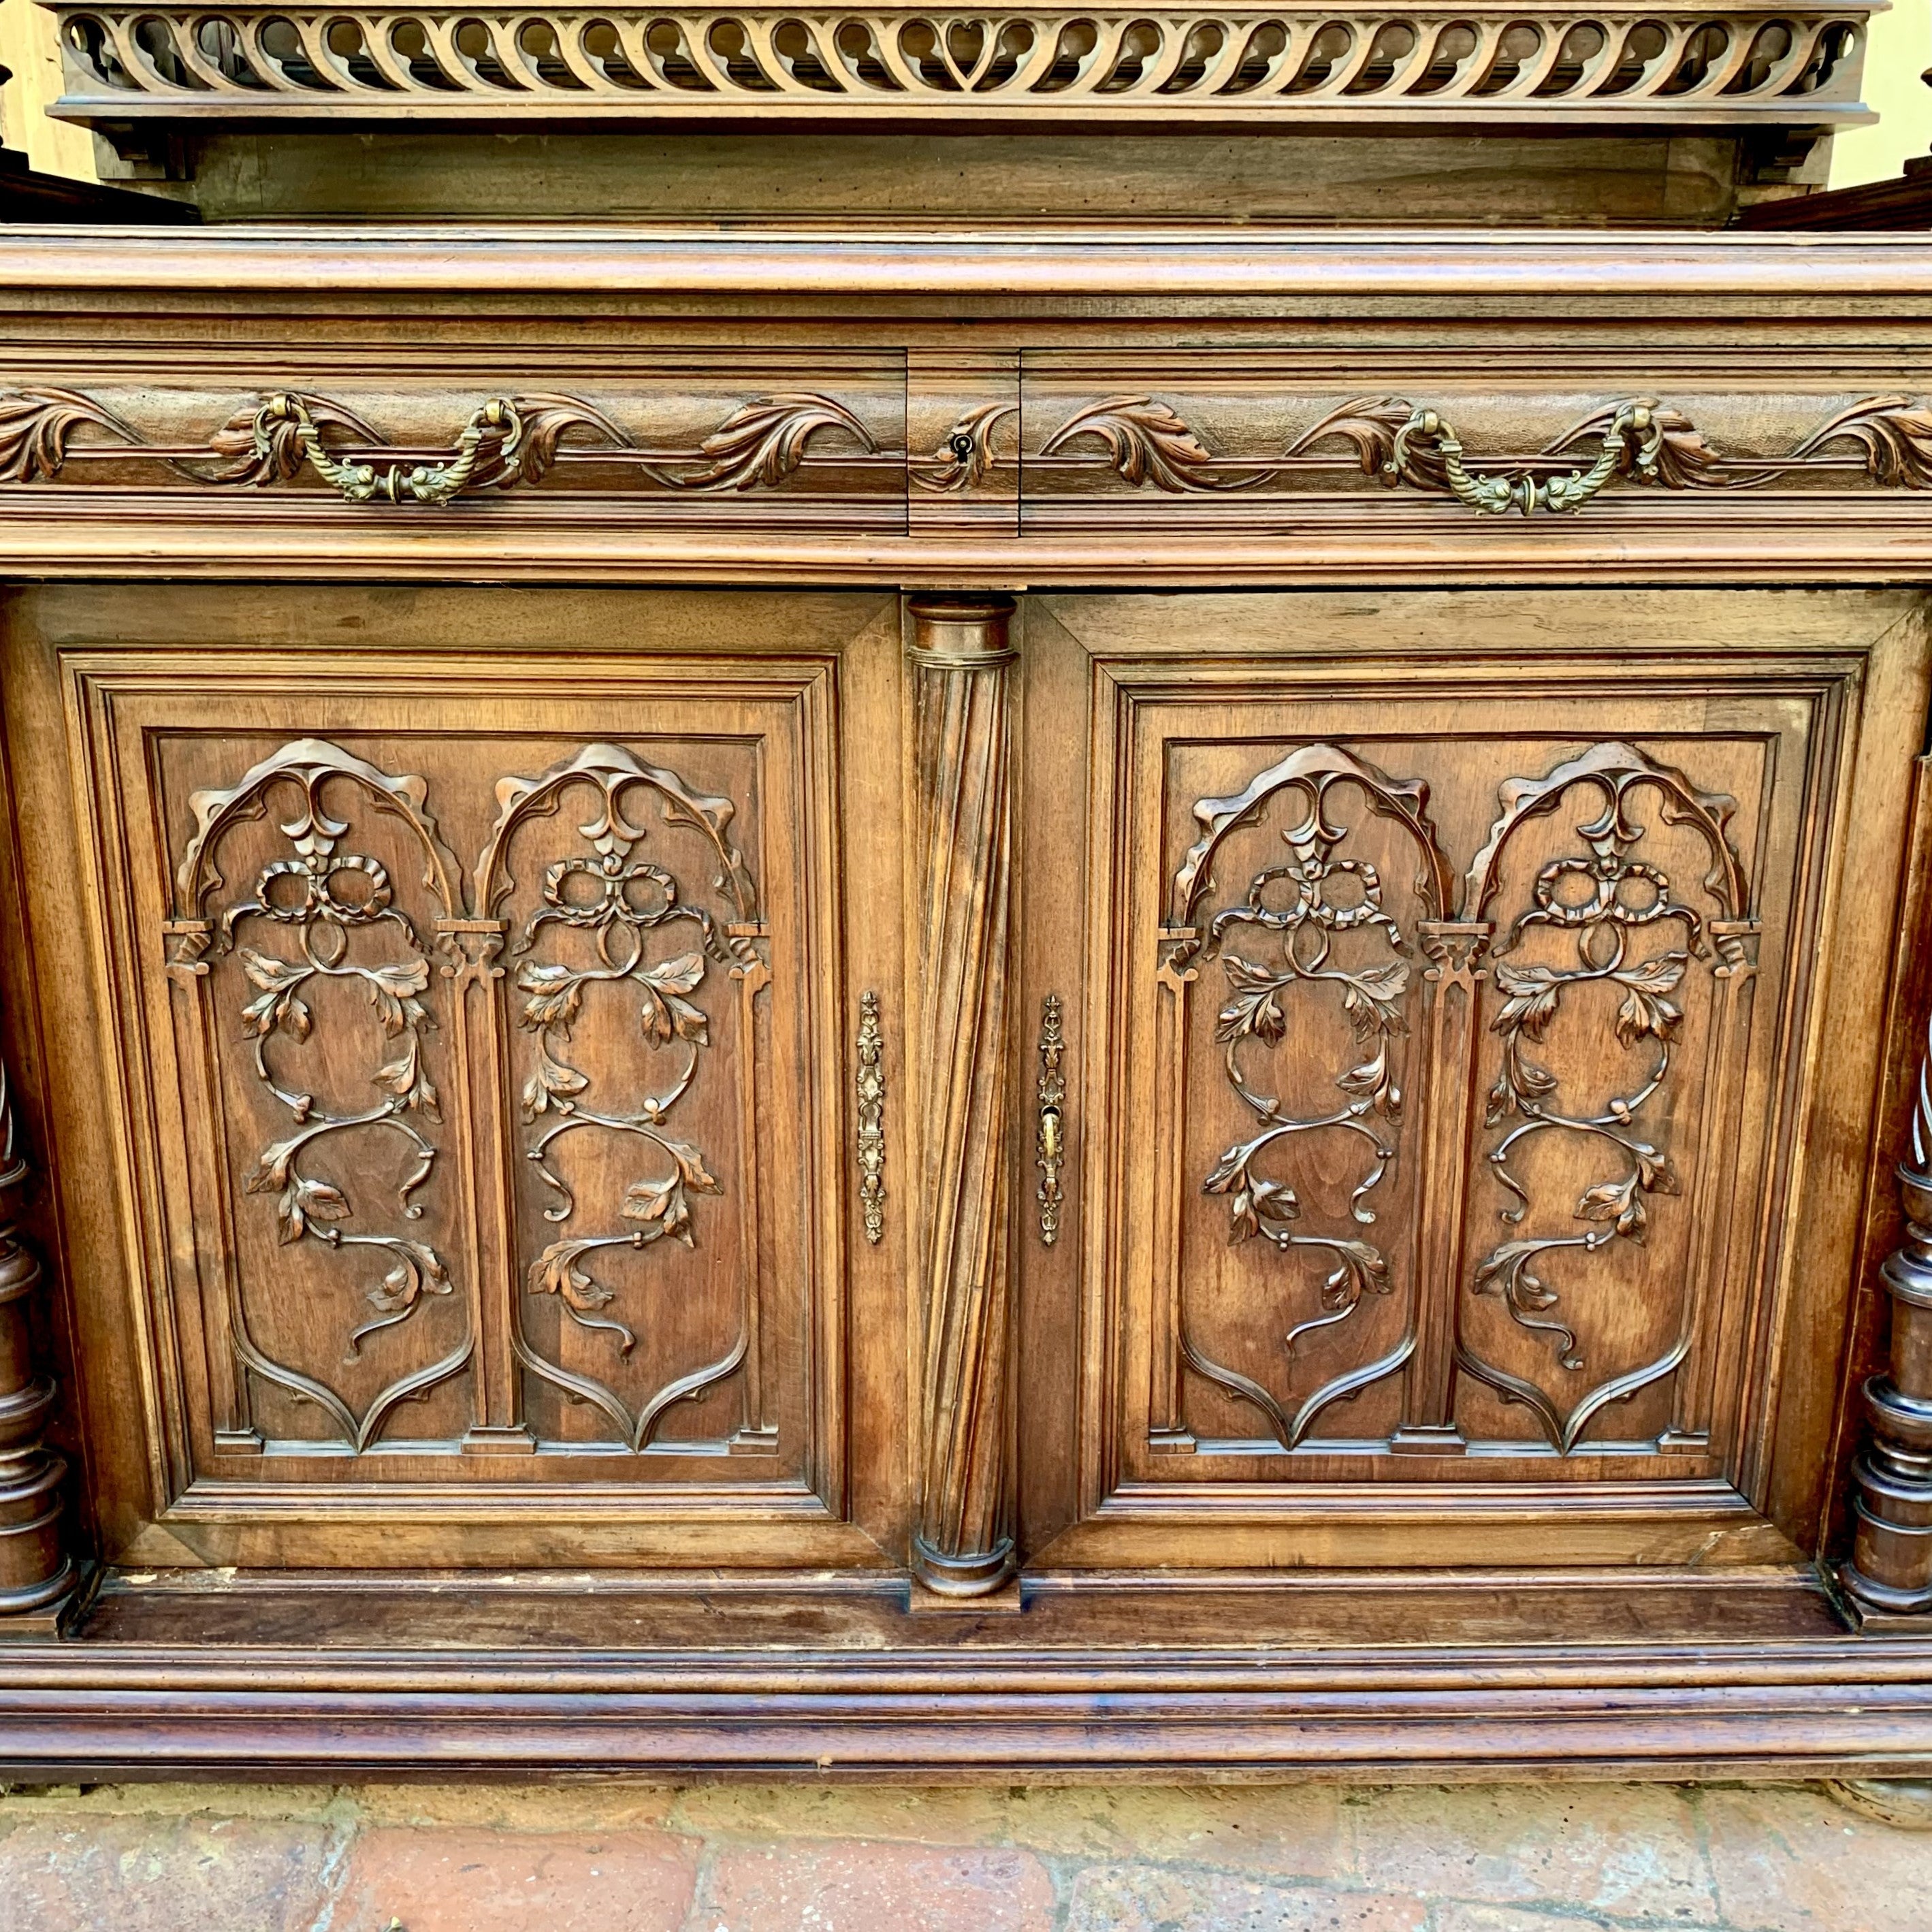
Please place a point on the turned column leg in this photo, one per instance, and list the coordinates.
(35, 1570)
(960, 871)
(1891, 1571)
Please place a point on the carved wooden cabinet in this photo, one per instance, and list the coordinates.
(964, 1003)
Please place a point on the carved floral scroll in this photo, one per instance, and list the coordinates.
(322, 918)
(1419, 983)
(609, 921)
(48, 435)
(507, 442)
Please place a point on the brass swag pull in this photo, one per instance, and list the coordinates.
(1496, 495)
(1052, 1126)
(872, 1119)
(435, 483)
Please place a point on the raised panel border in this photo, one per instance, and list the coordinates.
(1767, 1508)
(245, 1521)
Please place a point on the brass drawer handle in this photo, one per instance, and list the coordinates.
(1496, 495)
(872, 1119)
(434, 483)
(1052, 1152)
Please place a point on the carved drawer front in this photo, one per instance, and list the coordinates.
(809, 441)
(1455, 1016)
(470, 1036)
(1264, 440)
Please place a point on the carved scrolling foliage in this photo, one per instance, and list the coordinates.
(1634, 937)
(1146, 441)
(1634, 932)
(1302, 923)
(326, 913)
(507, 441)
(621, 908)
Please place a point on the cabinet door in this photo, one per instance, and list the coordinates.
(479, 1039)
(1465, 1024)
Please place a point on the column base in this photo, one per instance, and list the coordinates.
(1877, 1606)
(52, 1610)
(967, 1576)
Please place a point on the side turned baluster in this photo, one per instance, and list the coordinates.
(1890, 1573)
(35, 1571)
(961, 873)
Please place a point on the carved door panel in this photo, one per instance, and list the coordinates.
(481, 1036)
(1448, 1029)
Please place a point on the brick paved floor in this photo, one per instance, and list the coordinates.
(590, 1857)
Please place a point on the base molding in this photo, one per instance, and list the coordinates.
(1227, 1678)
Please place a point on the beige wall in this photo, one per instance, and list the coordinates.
(1900, 52)
(30, 51)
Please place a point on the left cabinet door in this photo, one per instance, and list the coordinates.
(474, 1032)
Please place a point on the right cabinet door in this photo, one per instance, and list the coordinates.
(1477, 1034)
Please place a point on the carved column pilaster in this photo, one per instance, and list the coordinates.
(1450, 1030)
(961, 868)
(35, 1570)
(1890, 1573)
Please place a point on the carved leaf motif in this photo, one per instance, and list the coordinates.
(665, 1012)
(1364, 1268)
(37, 425)
(1645, 1010)
(303, 1199)
(1617, 1201)
(547, 420)
(552, 1085)
(961, 461)
(393, 990)
(555, 1272)
(1684, 460)
(760, 444)
(1251, 1201)
(1255, 1008)
(277, 1005)
(1895, 435)
(279, 459)
(555, 993)
(1370, 424)
(1533, 993)
(1370, 999)
(1147, 442)
(418, 1269)
(404, 1077)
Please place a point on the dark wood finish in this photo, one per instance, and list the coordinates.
(27, 196)
(543, 1071)
(1905, 202)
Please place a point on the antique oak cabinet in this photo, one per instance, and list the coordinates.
(936, 938)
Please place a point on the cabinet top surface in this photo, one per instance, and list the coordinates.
(941, 264)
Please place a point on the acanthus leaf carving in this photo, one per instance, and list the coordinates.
(760, 444)
(1146, 441)
(1894, 433)
(962, 462)
(505, 443)
(36, 425)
